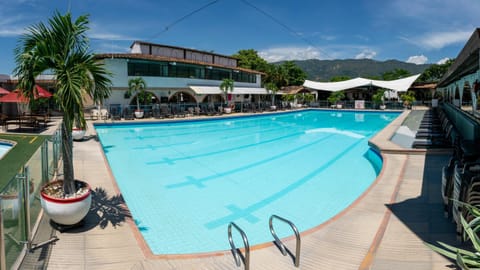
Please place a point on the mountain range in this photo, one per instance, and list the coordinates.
(324, 70)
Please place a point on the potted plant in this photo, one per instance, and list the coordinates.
(272, 89)
(288, 99)
(308, 98)
(62, 49)
(226, 86)
(408, 99)
(378, 99)
(137, 85)
(335, 98)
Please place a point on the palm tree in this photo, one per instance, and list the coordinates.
(272, 89)
(62, 49)
(137, 85)
(225, 86)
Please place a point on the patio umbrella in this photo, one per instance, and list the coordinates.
(16, 96)
(21, 101)
(3, 91)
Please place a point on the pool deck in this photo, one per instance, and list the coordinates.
(383, 229)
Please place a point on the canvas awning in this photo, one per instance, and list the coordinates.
(395, 85)
(215, 90)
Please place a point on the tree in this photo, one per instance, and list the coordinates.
(339, 78)
(435, 72)
(251, 60)
(395, 74)
(225, 86)
(295, 75)
(62, 48)
(285, 74)
(137, 85)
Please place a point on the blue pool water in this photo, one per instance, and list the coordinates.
(4, 148)
(184, 182)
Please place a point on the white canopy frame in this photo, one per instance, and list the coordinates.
(400, 85)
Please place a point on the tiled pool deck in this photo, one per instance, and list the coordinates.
(383, 229)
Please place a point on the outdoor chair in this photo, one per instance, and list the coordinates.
(94, 114)
(165, 111)
(104, 114)
(128, 114)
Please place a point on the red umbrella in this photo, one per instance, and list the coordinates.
(16, 96)
(42, 93)
(3, 91)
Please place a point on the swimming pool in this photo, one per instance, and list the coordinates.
(4, 148)
(184, 182)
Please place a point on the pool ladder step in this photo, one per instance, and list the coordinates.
(245, 258)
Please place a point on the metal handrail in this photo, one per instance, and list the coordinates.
(236, 255)
(279, 243)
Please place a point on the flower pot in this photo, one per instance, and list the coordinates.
(11, 204)
(339, 106)
(66, 211)
(382, 107)
(273, 108)
(227, 110)
(138, 114)
(78, 134)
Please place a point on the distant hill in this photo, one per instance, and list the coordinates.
(323, 70)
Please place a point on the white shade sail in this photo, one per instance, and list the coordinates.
(215, 90)
(395, 85)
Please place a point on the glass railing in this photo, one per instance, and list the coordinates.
(20, 202)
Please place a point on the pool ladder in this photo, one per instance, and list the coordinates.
(239, 258)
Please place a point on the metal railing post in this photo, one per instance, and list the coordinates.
(26, 206)
(3, 263)
(45, 162)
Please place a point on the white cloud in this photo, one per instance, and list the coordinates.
(366, 54)
(417, 59)
(440, 40)
(442, 61)
(290, 53)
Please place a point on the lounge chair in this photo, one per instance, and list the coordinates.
(128, 114)
(94, 114)
(165, 111)
(104, 114)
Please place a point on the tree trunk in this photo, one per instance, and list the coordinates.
(67, 145)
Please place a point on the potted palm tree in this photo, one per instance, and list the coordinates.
(62, 48)
(226, 86)
(335, 98)
(137, 85)
(408, 99)
(377, 99)
(272, 89)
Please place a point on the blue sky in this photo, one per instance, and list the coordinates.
(420, 31)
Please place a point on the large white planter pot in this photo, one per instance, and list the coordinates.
(11, 204)
(227, 110)
(339, 106)
(78, 134)
(138, 114)
(273, 108)
(383, 107)
(66, 211)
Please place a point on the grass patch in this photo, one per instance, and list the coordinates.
(13, 161)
